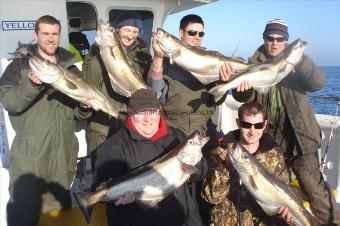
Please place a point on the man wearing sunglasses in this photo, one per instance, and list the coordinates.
(291, 120)
(186, 101)
(222, 188)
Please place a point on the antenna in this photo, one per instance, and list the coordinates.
(235, 49)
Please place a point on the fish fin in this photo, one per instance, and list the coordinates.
(262, 90)
(71, 85)
(82, 200)
(204, 79)
(268, 209)
(189, 169)
(253, 183)
(149, 203)
(219, 91)
(174, 54)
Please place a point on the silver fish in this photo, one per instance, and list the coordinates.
(204, 65)
(269, 192)
(153, 182)
(265, 75)
(124, 77)
(72, 85)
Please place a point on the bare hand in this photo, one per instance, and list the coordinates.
(34, 78)
(158, 52)
(284, 213)
(127, 198)
(86, 105)
(226, 70)
(245, 85)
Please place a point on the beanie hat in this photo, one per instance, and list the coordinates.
(143, 99)
(129, 18)
(277, 26)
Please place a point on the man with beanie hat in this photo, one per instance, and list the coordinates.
(292, 121)
(128, 26)
(144, 138)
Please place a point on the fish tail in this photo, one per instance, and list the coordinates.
(84, 204)
(219, 91)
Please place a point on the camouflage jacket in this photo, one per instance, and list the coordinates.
(233, 204)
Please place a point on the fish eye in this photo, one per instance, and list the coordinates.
(190, 142)
(244, 155)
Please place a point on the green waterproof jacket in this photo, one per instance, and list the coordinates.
(295, 115)
(101, 125)
(43, 119)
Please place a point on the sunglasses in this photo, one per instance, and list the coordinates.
(279, 39)
(194, 33)
(248, 125)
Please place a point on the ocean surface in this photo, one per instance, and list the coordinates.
(325, 101)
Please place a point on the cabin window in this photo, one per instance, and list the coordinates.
(147, 20)
(82, 22)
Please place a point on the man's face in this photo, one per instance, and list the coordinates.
(128, 35)
(146, 122)
(251, 135)
(274, 44)
(187, 36)
(48, 37)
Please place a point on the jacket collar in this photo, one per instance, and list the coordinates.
(259, 56)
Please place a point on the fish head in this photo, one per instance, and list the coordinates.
(295, 51)
(168, 43)
(241, 159)
(191, 152)
(104, 35)
(45, 70)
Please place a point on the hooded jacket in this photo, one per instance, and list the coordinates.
(43, 119)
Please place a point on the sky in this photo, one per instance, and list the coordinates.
(231, 24)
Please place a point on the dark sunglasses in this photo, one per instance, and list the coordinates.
(279, 39)
(248, 125)
(194, 33)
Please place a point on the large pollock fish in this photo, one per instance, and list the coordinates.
(265, 75)
(72, 85)
(204, 65)
(269, 192)
(153, 182)
(124, 77)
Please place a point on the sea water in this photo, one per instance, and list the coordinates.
(325, 100)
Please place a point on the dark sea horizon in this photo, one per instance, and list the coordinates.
(325, 100)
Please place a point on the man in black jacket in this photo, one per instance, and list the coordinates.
(144, 138)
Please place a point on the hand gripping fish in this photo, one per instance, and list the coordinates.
(124, 77)
(202, 64)
(153, 182)
(269, 192)
(265, 75)
(72, 85)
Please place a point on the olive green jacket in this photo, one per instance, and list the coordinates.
(101, 124)
(43, 119)
(296, 116)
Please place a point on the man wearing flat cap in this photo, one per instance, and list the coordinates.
(128, 25)
(292, 121)
(144, 138)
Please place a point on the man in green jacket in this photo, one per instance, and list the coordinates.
(292, 121)
(128, 25)
(44, 151)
